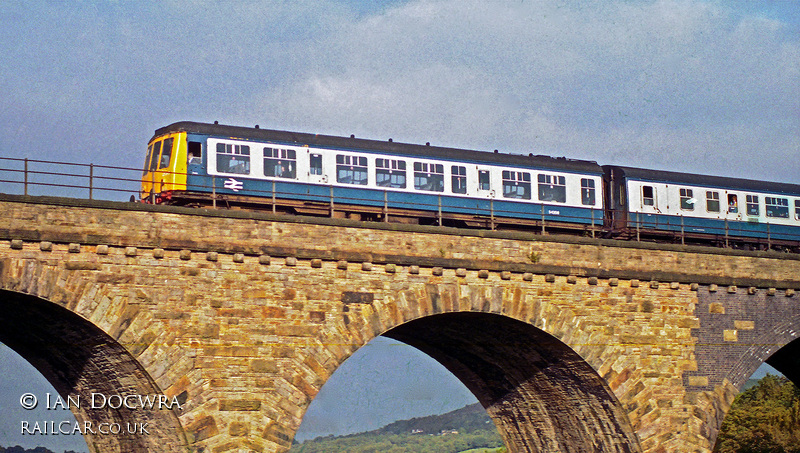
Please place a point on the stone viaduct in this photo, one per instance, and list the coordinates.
(571, 344)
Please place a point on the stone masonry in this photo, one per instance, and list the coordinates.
(571, 344)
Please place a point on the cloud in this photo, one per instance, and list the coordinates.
(669, 84)
(620, 80)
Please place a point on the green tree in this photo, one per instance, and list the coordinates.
(763, 419)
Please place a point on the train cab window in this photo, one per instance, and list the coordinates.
(429, 176)
(195, 153)
(315, 164)
(648, 196)
(459, 179)
(351, 169)
(752, 205)
(166, 153)
(390, 173)
(149, 159)
(777, 207)
(280, 163)
(587, 191)
(516, 184)
(154, 156)
(712, 201)
(233, 158)
(733, 204)
(552, 188)
(687, 199)
(483, 180)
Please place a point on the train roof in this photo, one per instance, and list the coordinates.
(390, 147)
(721, 182)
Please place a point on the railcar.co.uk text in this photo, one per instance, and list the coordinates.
(96, 401)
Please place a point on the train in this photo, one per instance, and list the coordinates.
(213, 165)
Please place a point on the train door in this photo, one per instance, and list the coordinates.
(734, 209)
(652, 197)
(316, 170)
(485, 183)
(149, 172)
(615, 195)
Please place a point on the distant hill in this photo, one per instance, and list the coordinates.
(467, 419)
(468, 429)
(18, 449)
(750, 383)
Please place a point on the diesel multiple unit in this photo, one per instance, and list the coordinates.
(199, 164)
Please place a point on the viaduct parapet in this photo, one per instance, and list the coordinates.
(571, 344)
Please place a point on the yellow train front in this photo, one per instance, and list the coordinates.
(165, 167)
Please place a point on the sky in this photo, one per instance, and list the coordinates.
(697, 86)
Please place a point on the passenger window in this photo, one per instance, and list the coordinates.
(166, 153)
(195, 155)
(777, 207)
(587, 192)
(233, 158)
(351, 169)
(687, 199)
(315, 164)
(712, 201)
(156, 153)
(280, 163)
(428, 176)
(648, 196)
(459, 179)
(483, 180)
(797, 209)
(752, 205)
(733, 204)
(552, 188)
(516, 184)
(390, 173)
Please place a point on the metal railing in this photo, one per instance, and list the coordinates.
(68, 179)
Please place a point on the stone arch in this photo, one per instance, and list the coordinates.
(741, 335)
(777, 344)
(543, 395)
(79, 358)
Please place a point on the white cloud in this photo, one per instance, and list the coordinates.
(627, 82)
(623, 81)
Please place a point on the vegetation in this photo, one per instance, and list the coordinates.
(18, 449)
(764, 418)
(468, 429)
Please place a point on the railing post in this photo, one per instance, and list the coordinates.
(491, 212)
(25, 189)
(214, 192)
(385, 206)
(273, 197)
(542, 218)
(153, 188)
(592, 211)
(638, 228)
(440, 210)
(683, 233)
(91, 180)
(332, 206)
(726, 233)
